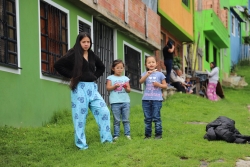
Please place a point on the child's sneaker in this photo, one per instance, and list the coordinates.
(115, 138)
(158, 137)
(128, 137)
(147, 137)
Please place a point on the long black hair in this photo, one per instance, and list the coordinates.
(214, 65)
(115, 62)
(77, 70)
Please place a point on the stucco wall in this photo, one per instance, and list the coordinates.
(180, 16)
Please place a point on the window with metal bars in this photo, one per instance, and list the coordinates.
(54, 37)
(8, 34)
(133, 67)
(84, 27)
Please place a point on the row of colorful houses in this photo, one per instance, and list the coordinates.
(36, 33)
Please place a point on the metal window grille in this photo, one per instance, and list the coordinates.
(84, 27)
(8, 34)
(104, 48)
(54, 37)
(133, 67)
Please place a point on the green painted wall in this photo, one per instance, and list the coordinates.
(27, 100)
(201, 19)
(238, 2)
(135, 97)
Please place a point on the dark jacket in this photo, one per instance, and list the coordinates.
(223, 128)
(91, 69)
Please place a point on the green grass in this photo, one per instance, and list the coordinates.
(182, 144)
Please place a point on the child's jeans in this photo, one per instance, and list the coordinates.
(151, 109)
(121, 111)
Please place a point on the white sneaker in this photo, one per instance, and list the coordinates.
(128, 137)
(115, 138)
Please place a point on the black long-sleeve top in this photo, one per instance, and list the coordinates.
(91, 69)
(166, 54)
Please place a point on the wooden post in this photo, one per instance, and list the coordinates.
(196, 55)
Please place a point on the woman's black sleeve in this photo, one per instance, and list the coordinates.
(64, 66)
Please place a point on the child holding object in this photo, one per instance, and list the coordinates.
(119, 87)
(152, 99)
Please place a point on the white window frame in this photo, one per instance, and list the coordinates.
(138, 50)
(79, 18)
(233, 25)
(11, 70)
(39, 34)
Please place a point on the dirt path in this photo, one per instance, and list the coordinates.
(243, 163)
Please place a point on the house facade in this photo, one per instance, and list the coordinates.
(211, 25)
(239, 31)
(32, 40)
(235, 36)
(176, 26)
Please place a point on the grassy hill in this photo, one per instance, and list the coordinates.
(184, 118)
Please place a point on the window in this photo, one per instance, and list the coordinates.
(54, 36)
(8, 34)
(186, 2)
(84, 27)
(133, 67)
(207, 49)
(233, 25)
(163, 43)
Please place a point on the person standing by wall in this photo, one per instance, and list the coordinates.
(168, 54)
(119, 87)
(83, 68)
(213, 78)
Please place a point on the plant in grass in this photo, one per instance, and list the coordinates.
(245, 62)
(233, 68)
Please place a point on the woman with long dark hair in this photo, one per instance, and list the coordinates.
(213, 78)
(83, 68)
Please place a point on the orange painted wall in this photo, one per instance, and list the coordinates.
(178, 13)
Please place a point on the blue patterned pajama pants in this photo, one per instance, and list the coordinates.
(83, 97)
